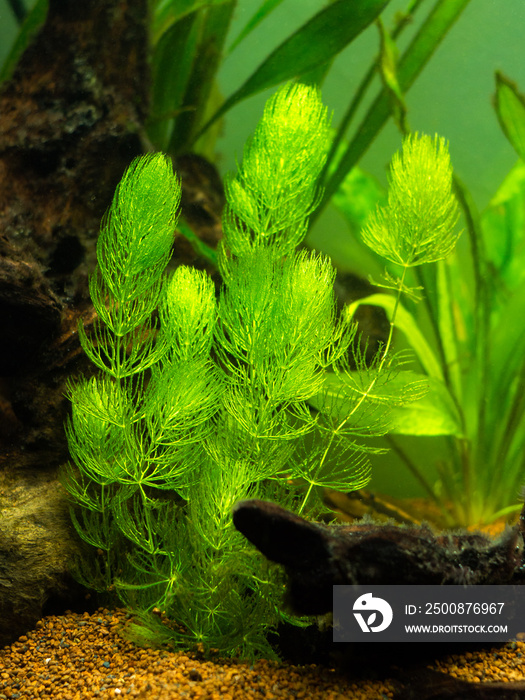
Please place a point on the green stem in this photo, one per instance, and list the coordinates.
(480, 435)
(365, 394)
(512, 422)
(401, 22)
(414, 470)
(446, 476)
(426, 41)
(433, 318)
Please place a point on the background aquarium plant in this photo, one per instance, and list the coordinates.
(466, 333)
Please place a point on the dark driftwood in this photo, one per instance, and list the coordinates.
(316, 557)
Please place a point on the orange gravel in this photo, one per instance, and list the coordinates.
(82, 656)
(504, 664)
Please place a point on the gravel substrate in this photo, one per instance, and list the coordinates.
(504, 664)
(81, 656)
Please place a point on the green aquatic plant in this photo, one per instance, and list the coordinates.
(467, 334)
(205, 403)
(417, 226)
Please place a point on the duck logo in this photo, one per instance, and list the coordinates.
(367, 603)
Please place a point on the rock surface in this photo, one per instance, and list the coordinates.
(36, 546)
(71, 118)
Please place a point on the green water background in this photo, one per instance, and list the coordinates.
(452, 96)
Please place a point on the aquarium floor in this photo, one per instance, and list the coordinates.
(77, 656)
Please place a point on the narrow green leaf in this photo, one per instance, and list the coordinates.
(171, 66)
(199, 246)
(267, 7)
(312, 45)
(169, 12)
(388, 63)
(433, 414)
(401, 21)
(448, 329)
(213, 31)
(32, 23)
(503, 225)
(426, 41)
(18, 9)
(388, 60)
(507, 347)
(408, 325)
(510, 108)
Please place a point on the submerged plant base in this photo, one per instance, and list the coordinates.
(353, 506)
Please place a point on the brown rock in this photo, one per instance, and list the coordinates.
(70, 122)
(36, 546)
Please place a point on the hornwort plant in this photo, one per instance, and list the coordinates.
(206, 403)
